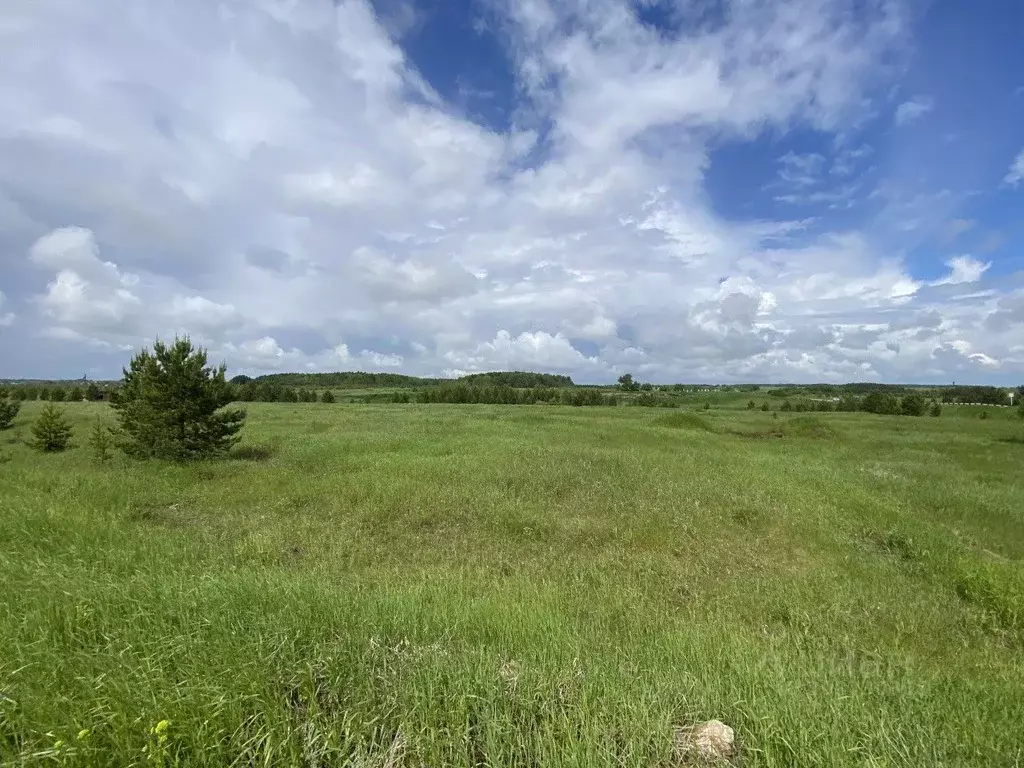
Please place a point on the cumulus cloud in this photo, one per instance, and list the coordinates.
(963, 269)
(287, 187)
(912, 109)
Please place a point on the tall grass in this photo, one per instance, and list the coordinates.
(487, 585)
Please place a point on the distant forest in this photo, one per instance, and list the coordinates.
(358, 380)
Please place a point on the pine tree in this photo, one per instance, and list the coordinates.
(171, 405)
(100, 442)
(328, 397)
(51, 432)
(8, 412)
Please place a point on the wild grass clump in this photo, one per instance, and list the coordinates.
(258, 452)
(685, 420)
(808, 426)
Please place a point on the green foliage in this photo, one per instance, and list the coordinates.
(461, 393)
(75, 395)
(344, 380)
(913, 405)
(935, 410)
(626, 383)
(983, 415)
(707, 406)
(765, 407)
(984, 395)
(1020, 411)
(751, 405)
(881, 403)
(327, 397)
(51, 431)
(93, 392)
(44, 394)
(787, 406)
(171, 405)
(58, 395)
(517, 379)
(652, 400)
(8, 412)
(100, 443)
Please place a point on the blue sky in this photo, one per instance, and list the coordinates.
(698, 190)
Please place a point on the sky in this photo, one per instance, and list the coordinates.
(687, 190)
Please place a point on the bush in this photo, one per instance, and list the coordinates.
(787, 406)
(935, 410)
(751, 405)
(75, 395)
(765, 407)
(58, 395)
(171, 405)
(51, 432)
(8, 412)
(912, 405)
(327, 397)
(983, 415)
(707, 406)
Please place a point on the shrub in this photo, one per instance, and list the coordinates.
(75, 395)
(751, 405)
(100, 443)
(327, 397)
(58, 395)
(8, 412)
(171, 405)
(51, 432)
(765, 407)
(912, 405)
(707, 406)
(983, 415)
(935, 410)
(92, 392)
(787, 406)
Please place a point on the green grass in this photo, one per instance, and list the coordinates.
(518, 586)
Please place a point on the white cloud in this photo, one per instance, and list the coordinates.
(912, 109)
(1016, 172)
(963, 269)
(286, 187)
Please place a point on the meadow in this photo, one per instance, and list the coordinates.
(469, 585)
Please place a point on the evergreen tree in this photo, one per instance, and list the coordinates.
(75, 395)
(93, 392)
(8, 412)
(912, 405)
(328, 397)
(57, 395)
(100, 442)
(51, 432)
(171, 405)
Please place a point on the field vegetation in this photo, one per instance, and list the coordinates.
(474, 584)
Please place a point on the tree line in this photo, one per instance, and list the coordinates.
(463, 393)
(57, 393)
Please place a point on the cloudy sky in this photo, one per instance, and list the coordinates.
(690, 190)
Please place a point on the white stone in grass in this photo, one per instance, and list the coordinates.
(710, 742)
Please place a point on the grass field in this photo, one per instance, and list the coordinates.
(519, 586)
